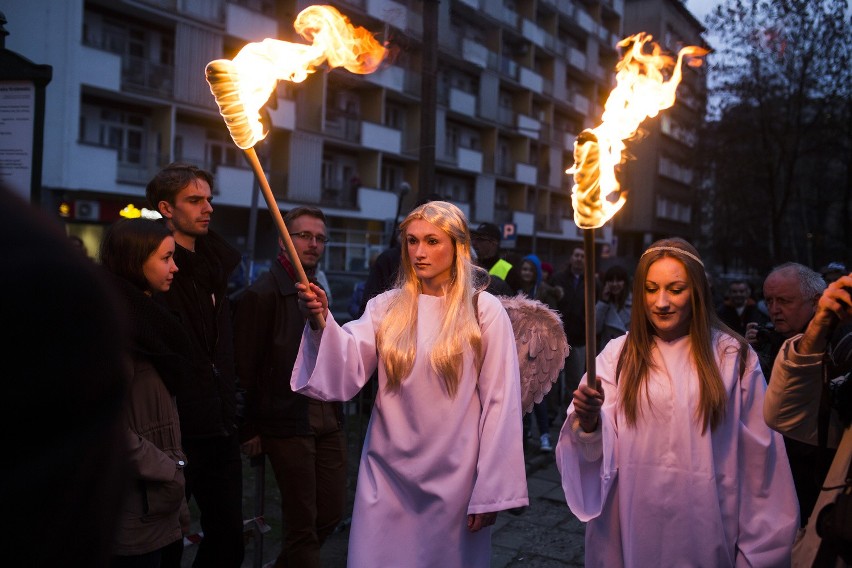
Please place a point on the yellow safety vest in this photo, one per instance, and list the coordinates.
(500, 269)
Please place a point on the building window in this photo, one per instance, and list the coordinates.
(219, 150)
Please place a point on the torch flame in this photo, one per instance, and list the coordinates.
(242, 86)
(641, 92)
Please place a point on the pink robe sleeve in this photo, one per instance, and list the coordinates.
(769, 512)
(501, 481)
(587, 461)
(336, 362)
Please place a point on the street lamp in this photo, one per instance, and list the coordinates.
(404, 188)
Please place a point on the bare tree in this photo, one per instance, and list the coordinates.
(778, 146)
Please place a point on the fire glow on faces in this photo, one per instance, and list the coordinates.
(159, 268)
(310, 251)
(668, 298)
(190, 215)
(432, 253)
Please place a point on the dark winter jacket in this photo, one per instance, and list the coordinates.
(152, 508)
(207, 405)
(268, 328)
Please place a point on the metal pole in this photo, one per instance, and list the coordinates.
(589, 294)
(428, 99)
(259, 465)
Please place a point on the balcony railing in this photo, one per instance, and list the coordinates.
(336, 193)
(343, 126)
(137, 168)
(141, 75)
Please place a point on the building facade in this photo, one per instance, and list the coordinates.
(664, 191)
(516, 82)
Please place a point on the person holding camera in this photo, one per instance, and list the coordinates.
(809, 400)
(791, 291)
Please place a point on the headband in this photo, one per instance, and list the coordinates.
(675, 249)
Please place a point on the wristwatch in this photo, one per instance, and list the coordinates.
(181, 463)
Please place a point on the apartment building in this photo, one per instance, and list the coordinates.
(664, 191)
(517, 80)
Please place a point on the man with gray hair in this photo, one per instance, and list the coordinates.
(791, 292)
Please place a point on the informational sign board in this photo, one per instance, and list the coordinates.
(17, 115)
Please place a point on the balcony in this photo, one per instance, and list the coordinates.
(336, 193)
(389, 12)
(508, 17)
(469, 160)
(526, 173)
(577, 58)
(382, 138)
(392, 77)
(508, 67)
(528, 126)
(102, 69)
(208, 10)
(474, 52)
(585, 20)
(531, 80)
(249, 22)
(533, 32)
(506, 116)
(147, 77)
(284, 116)
(343, 126)
(234, 185)
(579, 102)
(462, 102)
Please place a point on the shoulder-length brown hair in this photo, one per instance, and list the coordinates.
(636, 361)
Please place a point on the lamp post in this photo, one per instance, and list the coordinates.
(404, 188)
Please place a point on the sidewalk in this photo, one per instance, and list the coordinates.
(543, 535)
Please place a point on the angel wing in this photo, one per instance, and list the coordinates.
(542, 346)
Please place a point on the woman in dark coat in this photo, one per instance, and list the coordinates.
(139, 255)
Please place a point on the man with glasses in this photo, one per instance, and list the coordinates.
(301, 436)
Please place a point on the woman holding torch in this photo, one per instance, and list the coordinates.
(668, 459)
(443, 451)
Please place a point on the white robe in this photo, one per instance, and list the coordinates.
(429, 459)
(663, 494)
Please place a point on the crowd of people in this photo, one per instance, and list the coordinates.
(715, 432)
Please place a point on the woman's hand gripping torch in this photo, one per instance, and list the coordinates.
(223, 78)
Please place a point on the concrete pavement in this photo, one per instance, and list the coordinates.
(546, 534)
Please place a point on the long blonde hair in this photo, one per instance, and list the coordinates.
(635, 360)
(397, 333)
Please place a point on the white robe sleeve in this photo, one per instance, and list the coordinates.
(768, 512)
(336, 362)
(501, 481)
(587, 461)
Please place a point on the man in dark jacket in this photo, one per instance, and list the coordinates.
(739, 309)
(301, 436)
(207, 406)
(572, 306)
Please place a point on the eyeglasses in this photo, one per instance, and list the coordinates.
(308, 237)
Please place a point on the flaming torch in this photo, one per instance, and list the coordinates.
(641, 92)
(241, 86)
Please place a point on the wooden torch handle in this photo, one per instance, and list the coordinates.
(589, 292)
(272, 205)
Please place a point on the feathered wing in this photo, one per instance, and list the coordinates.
(541, 343)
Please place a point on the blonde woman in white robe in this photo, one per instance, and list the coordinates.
(443, 450)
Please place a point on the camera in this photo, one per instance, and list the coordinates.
(764, 332)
